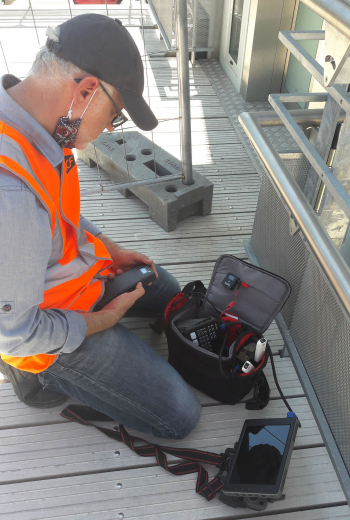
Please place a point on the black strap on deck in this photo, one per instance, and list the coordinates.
(84, 414)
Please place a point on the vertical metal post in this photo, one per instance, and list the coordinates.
(323, 145)
(184, 89)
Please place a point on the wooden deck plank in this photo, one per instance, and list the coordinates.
(226, 225)
(206, 127)
(122, 210)
(328, 513)
(59, 450)
(230, 203)
(165, 252)
(152, 493)
(198, 101)
(172, 91)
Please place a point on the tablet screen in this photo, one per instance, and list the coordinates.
(260, 455)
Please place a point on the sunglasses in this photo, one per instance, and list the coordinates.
(120, 118)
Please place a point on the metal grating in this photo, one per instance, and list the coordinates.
(321, 332)
(317, 322)
(165, 13)
(42, 18)
(201, 14)
(298, 166)
(271, 236)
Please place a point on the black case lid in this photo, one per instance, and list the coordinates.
(257, 304)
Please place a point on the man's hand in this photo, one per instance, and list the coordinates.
(111, 313)
(124, 259)
(123, 302)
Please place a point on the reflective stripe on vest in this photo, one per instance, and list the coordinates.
(60, 196)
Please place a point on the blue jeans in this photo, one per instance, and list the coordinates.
(117, 373)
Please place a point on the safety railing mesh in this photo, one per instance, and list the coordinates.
(165, 13)
(317, 321)
(23, 30)
(200, 23)
(200, 20)
(13, 18)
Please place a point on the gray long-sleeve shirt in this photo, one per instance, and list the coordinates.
(25, 249)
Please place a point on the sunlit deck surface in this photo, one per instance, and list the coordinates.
(54, 469)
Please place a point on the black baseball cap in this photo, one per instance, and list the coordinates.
(103, 47)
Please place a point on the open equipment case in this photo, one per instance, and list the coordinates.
(244, 299)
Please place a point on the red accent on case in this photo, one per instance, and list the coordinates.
(175, 303)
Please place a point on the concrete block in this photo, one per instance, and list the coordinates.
(137, 158)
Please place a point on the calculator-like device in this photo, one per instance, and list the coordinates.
(126, 282)
(203, 332)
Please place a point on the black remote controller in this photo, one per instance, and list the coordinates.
(204, 332)
(126, 282)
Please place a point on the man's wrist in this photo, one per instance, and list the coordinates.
(99, 321)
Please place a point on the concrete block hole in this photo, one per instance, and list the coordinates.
(170, 188)
(157, 168)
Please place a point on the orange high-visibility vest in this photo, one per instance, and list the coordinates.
(60, 196)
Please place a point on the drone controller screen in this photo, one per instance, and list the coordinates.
(260, 455)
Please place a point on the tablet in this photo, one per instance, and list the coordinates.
(261, 459)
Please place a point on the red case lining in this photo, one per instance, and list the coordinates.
(174, 304)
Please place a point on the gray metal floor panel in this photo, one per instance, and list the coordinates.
(63, 449)
(234, 104)
(147, 494)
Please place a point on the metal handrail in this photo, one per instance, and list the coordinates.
(310, 117)
(323, 248)
(311, 65)
(335, 188)
(336, 12)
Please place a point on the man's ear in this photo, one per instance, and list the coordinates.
(86, 88)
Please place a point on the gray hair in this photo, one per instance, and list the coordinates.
(46, 62)
(55, 68)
